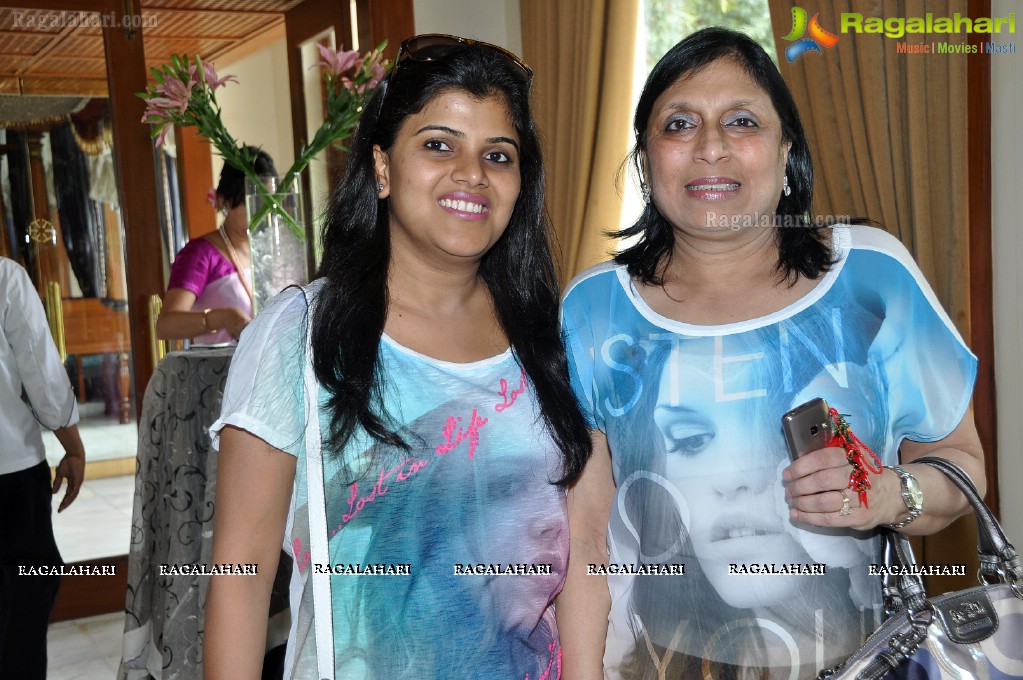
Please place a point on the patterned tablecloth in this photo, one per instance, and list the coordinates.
(172, 521)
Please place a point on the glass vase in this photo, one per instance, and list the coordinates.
(276, 236)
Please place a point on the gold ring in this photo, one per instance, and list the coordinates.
(846, 510)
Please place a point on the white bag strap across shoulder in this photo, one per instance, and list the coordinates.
(324, 622)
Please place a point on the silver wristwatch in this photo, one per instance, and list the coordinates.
(912, 496)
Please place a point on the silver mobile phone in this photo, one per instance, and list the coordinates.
(807, 427)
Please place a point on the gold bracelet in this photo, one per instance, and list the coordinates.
(206, 321)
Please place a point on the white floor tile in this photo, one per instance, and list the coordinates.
(98, 523)
(85, 649)
(90, 669)
(104, 439)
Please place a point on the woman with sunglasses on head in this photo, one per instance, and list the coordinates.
(400, 424)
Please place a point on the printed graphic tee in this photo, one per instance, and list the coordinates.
(442, 561)
(692, 415)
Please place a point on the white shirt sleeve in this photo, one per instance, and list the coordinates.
(264, 391)
(30, 364)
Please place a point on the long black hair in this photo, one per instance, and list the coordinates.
(800, 245)
(518, 270)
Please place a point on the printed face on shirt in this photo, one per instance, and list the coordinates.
(516, 526)
(451, 177)
(726, 467)
(715, 151)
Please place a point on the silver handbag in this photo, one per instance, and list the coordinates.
(973, 633)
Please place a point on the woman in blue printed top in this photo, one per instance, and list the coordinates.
(405, 425)
(729, 310)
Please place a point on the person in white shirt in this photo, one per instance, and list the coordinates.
(34, 392)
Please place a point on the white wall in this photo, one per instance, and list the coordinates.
(1007, 206)
(493, 21)
(257, 109)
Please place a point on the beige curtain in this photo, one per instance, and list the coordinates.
(582, 54)
(888, 136)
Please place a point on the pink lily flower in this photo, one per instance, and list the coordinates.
(174, 88)
(176, 92)
(211, 76)
(379, 71)
(336, 62)
(161, 107)
(183, 95)
(163, 135)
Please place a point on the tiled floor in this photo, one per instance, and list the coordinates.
(104, 438)
(85, 649)
(97, 524)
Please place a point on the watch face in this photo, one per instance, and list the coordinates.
(916, 495)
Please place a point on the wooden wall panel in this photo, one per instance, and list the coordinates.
(195, 177)
(136, 177)
(982, 326)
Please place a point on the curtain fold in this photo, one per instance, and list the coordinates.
(888, 136)
(887, 133)
(582, 54)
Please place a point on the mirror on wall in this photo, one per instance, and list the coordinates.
(61, 220)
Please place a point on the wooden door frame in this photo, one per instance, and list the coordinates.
(981, 246)
(377, 20)
(301, 23)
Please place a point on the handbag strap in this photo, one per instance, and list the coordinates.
(998, 558)
(907, 588)
(900, 647)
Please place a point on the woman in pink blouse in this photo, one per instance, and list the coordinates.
(209, 296)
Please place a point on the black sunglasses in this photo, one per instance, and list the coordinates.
(433, 46)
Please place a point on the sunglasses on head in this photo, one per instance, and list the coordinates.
(433, 46)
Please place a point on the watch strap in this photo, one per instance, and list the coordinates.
(914, 511)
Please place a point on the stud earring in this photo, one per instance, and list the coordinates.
(646, 193)
(785, 188)
(380, 186)
(223, 209)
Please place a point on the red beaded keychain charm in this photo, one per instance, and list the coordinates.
(854, 453)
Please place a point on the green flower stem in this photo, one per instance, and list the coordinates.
(273, 203)
(344, 106)
(324, 137)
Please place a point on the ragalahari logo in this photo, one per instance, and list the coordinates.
(819, 37)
